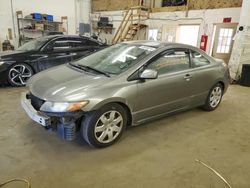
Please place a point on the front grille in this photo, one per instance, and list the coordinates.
(36, 102)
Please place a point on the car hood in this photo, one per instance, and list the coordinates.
(9, 55)
(64, 84)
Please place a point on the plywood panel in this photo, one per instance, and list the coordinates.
(212, 4)
(112, 5)
(99, 5)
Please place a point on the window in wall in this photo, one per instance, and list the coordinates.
(225, 39)
(188, 34)
(152, 34)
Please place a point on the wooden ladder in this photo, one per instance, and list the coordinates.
(133, 21)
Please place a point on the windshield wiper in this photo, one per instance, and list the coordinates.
(87, 68)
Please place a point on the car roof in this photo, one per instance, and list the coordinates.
(67, 36)
(158, 44)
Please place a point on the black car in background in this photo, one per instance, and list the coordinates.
(16, 67)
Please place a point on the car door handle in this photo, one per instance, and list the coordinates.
(187, 77)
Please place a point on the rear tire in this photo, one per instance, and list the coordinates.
(214, 97)
(105, 126)
(19, 74)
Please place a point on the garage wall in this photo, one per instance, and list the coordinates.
(205, 4)
(206, 19)
(115, 17)
(113, 5)
(241, 49)
(57, 8)
(170, 20)
(6, 19)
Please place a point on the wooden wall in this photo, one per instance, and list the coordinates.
(112, 5)
(212, 4)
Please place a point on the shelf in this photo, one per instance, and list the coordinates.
(44, 28)
(105, 29)
(32, 30)
(34, 20)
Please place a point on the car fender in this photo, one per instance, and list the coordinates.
(92, 106)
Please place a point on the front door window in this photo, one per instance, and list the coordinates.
(173, 61)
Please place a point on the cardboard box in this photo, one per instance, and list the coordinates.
(60, 28)
(39, 26)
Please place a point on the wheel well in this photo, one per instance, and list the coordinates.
(127, 111)
(223, 85)
(29, 64)
(125, 107)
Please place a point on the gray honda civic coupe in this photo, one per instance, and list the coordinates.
(124, 85)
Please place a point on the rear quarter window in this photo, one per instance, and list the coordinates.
(198, 60)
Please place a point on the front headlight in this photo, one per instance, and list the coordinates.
(63, 106)
(1, 63)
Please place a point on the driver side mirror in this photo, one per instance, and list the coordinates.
(149, 74)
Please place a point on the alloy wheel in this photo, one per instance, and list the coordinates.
(215, 96)
(19, 74)
(108, 126)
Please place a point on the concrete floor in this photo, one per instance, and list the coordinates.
(158, 154)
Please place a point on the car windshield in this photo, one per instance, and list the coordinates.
(116, 59)
(34, 45)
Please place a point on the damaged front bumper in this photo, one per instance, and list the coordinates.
(35, 115)
(63, 123)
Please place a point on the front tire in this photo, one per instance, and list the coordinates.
(214, 97)
(105, 126)
(19, 74)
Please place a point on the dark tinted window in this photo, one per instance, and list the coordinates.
(171, 61)
(198, 60)
(81, 42)
(91, 43)
(35, 44)
(76, 42)
(61, 43)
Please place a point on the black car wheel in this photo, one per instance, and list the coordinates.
(19, 74)
(105, 126)
(214, 97)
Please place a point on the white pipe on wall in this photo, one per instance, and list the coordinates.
(13, 17)
(82, 12)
